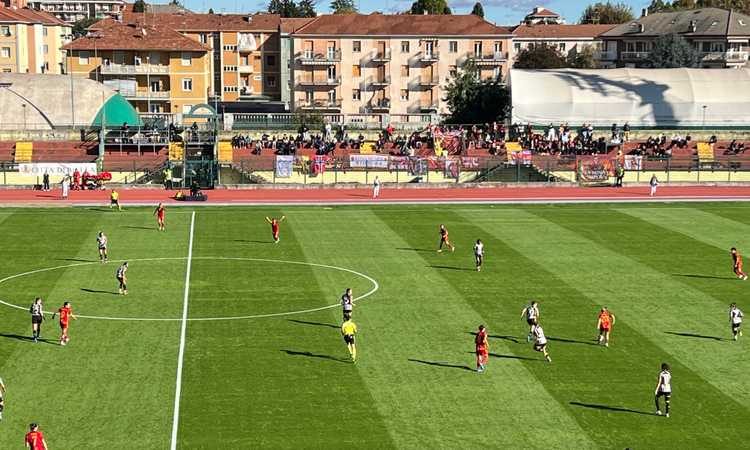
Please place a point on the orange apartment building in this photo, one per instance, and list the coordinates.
(31, 41)
(387, 64)
(156, 68)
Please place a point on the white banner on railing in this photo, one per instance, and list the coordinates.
(633, 162)
(284, 166)
(39, 169)
(369, 161)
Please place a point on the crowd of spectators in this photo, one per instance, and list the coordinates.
(661, 146)
(735, 148)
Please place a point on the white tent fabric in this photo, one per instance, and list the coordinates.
(641, 97)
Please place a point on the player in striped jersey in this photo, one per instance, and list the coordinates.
(479, 254)
(101, 242)
(37, 317)
(531, 313)
(122, 278)
(735, 319)
(540, 342)
(663, 389)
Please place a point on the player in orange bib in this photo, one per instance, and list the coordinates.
(482, 348)
(604, 325)
(275, 227)
(444, 239)
(65, 313)
(159, 213)
(737, 264)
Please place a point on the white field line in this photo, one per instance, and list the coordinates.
(183, 330)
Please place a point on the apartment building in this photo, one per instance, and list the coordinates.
(31, 41)
(391, 64)
(541, 15)
(568, 39)
(243, 50)
(721, 36)
(72, 11)
(156, 68)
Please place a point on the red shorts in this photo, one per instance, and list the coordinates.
(160, 217)
(603, 328)
(738, 269)
(481, 351)
(275, 234)
(64, 325)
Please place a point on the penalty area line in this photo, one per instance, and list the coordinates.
(183, 330)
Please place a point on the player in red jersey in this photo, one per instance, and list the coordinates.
(275, 227)
(737, 264)
(482, 348)
(444, 239)
(35, 438)
(604, 325)
(159, 213)
(66, 313)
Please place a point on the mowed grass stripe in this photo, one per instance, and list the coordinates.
(416, 350)
(706, 394)
(265, 383)
(113, 377)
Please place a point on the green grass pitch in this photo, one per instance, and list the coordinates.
(284, 381)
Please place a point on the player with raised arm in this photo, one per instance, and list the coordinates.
(735, 319)
(347, 304)
(444, 239)
(540, 342)
(37, 317)
(121, 276)
(737, 264)
(531, 313)
(159, 213)
(349, 329)
(479, 254)
(35, 439)
(482, 348)
(66, 313)
(604, 326)
(663, 389)
(2, 398)
(101, 243)
(275, 227)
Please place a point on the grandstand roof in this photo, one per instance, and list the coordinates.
(642, 97)
(43, 102)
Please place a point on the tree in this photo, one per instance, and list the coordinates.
(139, 6)
(478, 10)
(540, 57)
(80, 28)
(607, 13)
(176, 3)
(673, 50)
(583, 58)
(343, 7)
(430, 7)
(210, 10)
(288, 8)
(471, 100)
(306, 8)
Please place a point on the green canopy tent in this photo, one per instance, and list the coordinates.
(117, 111)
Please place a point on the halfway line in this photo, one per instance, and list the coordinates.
(183, 329)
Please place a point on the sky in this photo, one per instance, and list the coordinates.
(501, 12)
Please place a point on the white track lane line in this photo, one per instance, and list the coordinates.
(183, 330)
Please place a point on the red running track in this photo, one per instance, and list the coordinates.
(27, 197)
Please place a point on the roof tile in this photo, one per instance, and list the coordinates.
(400, 25)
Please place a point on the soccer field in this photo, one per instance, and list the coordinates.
(264, 363)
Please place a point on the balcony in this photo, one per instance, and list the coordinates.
(314, 82)
(377, 81)
(634, 56)
(428, 80)
(429, 57)
(140, 69)
(381, 56)
(380, 105)
(429, 106)
(245, 69)
(605, 56)
(734, 56)
(319, 104)
(491, 59)
(145, 95)
(309, 58)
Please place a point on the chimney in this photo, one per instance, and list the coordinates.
(538, 9)
(644, 12)
(641, 28)
(693, 26)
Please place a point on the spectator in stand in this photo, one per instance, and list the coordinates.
(45, 182)
(626, 132)
(76, 180)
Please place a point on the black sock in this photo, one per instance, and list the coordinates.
(666, 404)
(656, 400)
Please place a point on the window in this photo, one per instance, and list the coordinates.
(452, 71)
(404, 95)
(270, 60)
(137, 60)
(230, 88)
(155, 108)
(230, 68)
(453, 46)
(5, 52)
(562, 46)
(83, 58)
(517, 46)
(356, 71)
(187, 84)
(332, 96)
(404, 71)
(203, 38)
(404, 46)
(271, 82)
(230, 48)
(6, 70)
(356, 95)
(187, 59)
(331, 72)
(5, 30)
(309, 96)
(498, 46)
(497, 73)
(45, 49)
(357, 46)
(186, 109)
(45, 31)
(478, 48)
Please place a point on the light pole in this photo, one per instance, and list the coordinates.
(23, 106)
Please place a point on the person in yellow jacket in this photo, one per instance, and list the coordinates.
(114, 200)
(349, 329)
